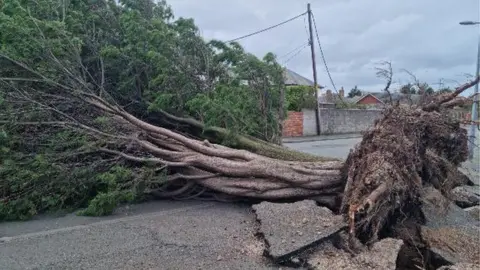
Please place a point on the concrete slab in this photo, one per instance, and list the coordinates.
(454, 244)
(381, 256)
(449, 231)
(441, 212)
(289, 228)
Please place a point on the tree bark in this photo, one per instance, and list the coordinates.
(217, 135)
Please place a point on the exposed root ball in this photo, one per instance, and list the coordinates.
(406, 149)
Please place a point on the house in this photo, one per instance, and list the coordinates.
(379, 99)
(369, 100)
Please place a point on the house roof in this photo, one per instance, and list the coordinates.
(402, 98)
(369, 94)
(293, 78)
(322, 99)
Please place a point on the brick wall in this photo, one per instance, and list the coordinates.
(293, 125)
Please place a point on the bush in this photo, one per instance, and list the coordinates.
(300, 97)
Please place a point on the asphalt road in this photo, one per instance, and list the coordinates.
(338, 148)
(156, 235)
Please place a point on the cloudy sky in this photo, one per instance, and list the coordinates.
(422, 36)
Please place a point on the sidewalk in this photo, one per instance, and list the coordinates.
(321, 138)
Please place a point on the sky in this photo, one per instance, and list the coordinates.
(421, 36)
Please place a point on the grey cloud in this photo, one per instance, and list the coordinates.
(421, 36)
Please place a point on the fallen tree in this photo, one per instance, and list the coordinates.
(406, 148)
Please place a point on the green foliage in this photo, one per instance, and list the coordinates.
(33, 180)
(147, 60)
(425, 89)
(105, 203)
(300, 97)
(408, 89)
(420, 89)
(142, 56)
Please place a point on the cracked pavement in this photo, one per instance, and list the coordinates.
(157, 235)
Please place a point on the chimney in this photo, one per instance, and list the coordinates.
(329, 96)
(341, 92)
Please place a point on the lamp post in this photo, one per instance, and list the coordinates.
(471, 143)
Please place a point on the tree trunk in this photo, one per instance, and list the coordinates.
(191, 127)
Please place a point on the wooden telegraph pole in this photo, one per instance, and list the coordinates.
(314, 66)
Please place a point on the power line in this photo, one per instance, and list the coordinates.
(306, 26)
(294, 50)
(269, 28)
(297, 53)
(323, 56)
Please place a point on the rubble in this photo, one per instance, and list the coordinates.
(474, 212)
(440, 211)
(303, 233)
(461, 266)
(381, 256)
(453, 244)
(449, 232)
(466, 196)
(472, 175)
(289, 228)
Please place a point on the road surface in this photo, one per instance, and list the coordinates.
(338, 148)
(156, 235)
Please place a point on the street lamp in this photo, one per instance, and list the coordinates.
(471, 143)
(469, 23)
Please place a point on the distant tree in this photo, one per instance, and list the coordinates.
(424, 88)
(408, 89)
(445, 90)
(354, 92)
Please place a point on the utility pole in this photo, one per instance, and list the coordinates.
(472, 141)
(314, 66)
(472, 137)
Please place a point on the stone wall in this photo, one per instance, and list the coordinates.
(339, 121)
(336, 121)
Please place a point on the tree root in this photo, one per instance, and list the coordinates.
(406, 149)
